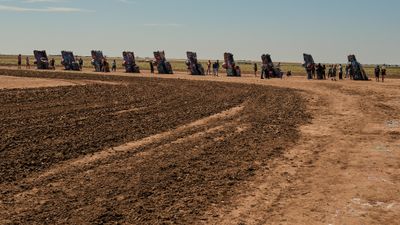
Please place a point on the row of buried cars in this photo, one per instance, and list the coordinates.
(100, 64)
(355, 69)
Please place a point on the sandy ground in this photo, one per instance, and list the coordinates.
(344, 170)
(7, 82)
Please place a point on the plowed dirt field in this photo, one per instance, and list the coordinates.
(141, 149)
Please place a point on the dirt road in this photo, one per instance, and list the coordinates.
(343, 168)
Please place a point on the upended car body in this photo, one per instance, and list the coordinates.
(97, 60)
(356, 70)
(163, 66)
(230, 65)
(68, 61)
(130, 62)
(193, 65)
(41, 60)
(269, 67)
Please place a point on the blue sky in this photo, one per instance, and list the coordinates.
(286, 28)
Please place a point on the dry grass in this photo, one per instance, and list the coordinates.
(179, 65)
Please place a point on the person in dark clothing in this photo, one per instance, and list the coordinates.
(263, 69)
(114, 66)
(313, 71)
(151, 67)
(377, 73)
(319, 71)
(19, 61)
(309, 72)
(216, 68)
(340, 72)
(80, 63)
(265, 74)
(255, 69)
(324, 71)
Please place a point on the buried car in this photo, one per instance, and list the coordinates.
(356, 70)
(309, 65)
(163, 66)
(130, 62)
(41, 60)
(194, 66)
(268, 68)
(99, 62)
(68, 61)
(229, 64)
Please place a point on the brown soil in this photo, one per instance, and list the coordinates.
(7, 82)
(241, 162)
(167, 149)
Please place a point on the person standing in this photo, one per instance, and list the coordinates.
(28, 65)
(52, 64)
(209, 67)
(263, 71)
(309, 72)
(340, 72)
(377, 73)
(255, 69)
(151, 67)
(106, 66)
(238, 71)
(114, 66)
(319, 71)
(80, 63)
(334, 72)
(313, 71)
(383, 72)
(19, 61)
(216, 68)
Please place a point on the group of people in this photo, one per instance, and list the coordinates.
(215, 68)
(27, 60)
(52, 62)
(321, 72)
(380, 72)
(103, 65)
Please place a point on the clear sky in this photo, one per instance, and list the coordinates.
(248, 28)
